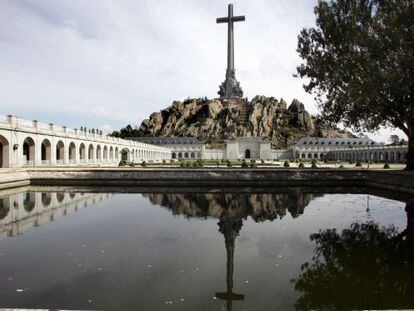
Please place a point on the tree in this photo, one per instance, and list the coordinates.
(358, 62)
(394, 140)
(363, 267)
(127, 131)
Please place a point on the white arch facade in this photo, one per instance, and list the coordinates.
(24, 210)
(382, 154)
(62, 146)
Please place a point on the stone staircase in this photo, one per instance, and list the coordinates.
(243, 117)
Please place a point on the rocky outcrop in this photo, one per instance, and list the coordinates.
(217, 120)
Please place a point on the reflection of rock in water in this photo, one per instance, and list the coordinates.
(260, 207)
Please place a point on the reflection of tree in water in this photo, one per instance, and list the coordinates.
(364, 267)
(231, 209)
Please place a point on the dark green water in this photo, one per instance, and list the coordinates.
(279, 250)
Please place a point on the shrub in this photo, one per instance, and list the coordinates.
(358, 164)
(132, 164)
(229, 163)
(200, 163)
(341, 166)
(144, 164)
(286, 164)
(386, 165)
(163, 161)
(314, 165)
(325, 160)
(253, 164)
(244, 164)
(301, 165)
(188, 164)
(222, 161)
(182, 164)
(218, 163)
(313, 161)
(351, 162)
(263, 161)
(195, 164)
(122, 163)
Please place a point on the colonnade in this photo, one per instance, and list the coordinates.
(31, 143)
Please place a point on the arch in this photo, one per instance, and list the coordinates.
(180, 155)
(105, 153)
(60, 196)
(247, 154)
(309, 155)
(60, 152)
(29, 201)
(392, 156)
(111, 153)
(315, 156)
(125, 154)
(386, 156)
(46, 151)
(186, 155)
(4, 152)
(116, 153)
(90, 153)
(174, 155)
(4, 208)
(192, 155)
(28, 151)
(82, 152)
(199, 155)
(98, 153)
(72, 152)
(46, 198)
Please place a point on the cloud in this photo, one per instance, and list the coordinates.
(76, 62)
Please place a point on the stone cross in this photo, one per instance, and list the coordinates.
(230, 88)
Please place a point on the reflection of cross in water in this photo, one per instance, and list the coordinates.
(229, 227)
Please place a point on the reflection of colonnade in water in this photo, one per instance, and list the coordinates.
(231, 209)
(24, 210)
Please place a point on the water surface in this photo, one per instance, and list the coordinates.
(162, 250)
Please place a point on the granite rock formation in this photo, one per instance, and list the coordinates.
(219, 119)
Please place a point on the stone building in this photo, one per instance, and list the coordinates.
(32, 143)
(318, 148)
(181, 147)
(235, 149)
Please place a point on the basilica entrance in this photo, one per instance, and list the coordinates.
(247, 154)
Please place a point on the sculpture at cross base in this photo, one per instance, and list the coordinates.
(230, 88)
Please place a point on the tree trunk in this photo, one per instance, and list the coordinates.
(410, 152)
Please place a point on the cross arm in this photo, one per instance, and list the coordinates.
(222, 20)
(238, 18)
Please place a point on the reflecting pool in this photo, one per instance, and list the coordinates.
(206, 249)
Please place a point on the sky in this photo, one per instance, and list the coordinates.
(106, 64)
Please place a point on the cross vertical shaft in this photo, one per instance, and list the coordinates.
(230, 88)
(230, 40)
